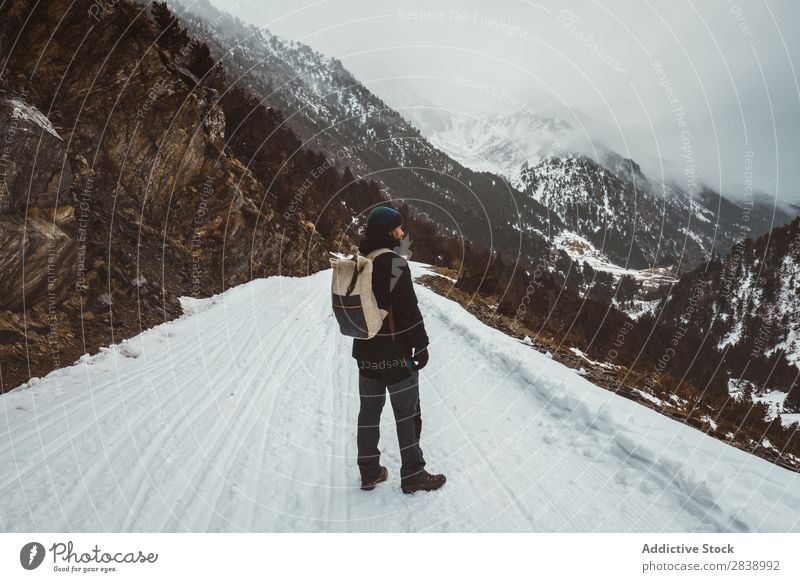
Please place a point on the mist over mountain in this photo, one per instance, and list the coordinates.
(636, 220)
(334, 112)
(478, 177)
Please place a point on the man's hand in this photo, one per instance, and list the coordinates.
(420, 358)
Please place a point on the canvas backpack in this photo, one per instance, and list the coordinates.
(354, 302)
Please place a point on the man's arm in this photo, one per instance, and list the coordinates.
(407, 316)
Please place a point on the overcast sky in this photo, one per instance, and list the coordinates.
(708, 86)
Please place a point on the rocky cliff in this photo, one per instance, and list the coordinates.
(132, 174)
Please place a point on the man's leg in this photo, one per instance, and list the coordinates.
(405, 402)
(372, 394)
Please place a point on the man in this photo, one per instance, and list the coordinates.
(391, 361)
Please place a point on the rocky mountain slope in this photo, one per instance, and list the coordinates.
(640, 221)
(735, 321)
(334, 112)
(129, 179)
(634, 220)
(540, 187)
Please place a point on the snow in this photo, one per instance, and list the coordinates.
(422, 269)
(692, 235)
(649, 397)
(732, 337)
(786, 308)
(25, 112)
(580, 250)
(738, 387)
(636, 308)
(606, 365)
(774, 399)
(241, 416)
(191, 305)
(503, 144)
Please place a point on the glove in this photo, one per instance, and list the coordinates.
(420, 358)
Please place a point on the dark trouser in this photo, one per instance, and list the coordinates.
(408, 419)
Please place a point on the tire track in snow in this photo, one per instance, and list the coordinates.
(286, 357)
(148, 469)
(103, 392)
(197, 376)
(207, 475)
(145, 467)
(154, 445)
(270, 394)
(223, 456)
(580, 489)
(241, 503)
(334, 440)
(261, 390)
(485, 459)
(573, 463)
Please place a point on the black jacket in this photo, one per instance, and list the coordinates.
(393, 286)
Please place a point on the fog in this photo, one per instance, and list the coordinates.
(706, 88)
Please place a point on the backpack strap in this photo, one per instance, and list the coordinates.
(356, 271)
(377, 252)
(372, 256)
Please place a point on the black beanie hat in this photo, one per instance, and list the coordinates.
(383, 220)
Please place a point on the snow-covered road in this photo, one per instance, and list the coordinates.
(242, 417)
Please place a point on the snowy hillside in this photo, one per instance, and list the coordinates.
(581, 250)
(639, 221)
(337, 115)
(446, 160)
(503, 144)
(242, 416)
(746, 329)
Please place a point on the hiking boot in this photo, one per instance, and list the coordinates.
(424, 482)
(370, 485)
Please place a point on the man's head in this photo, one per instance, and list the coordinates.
(383, 220)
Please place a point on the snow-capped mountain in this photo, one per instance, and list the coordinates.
(597, 194)
(334, 113)
(503, 144)
(242, 416)
(637, 221)
(580, 250)
(736, 320)
(540, 187)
